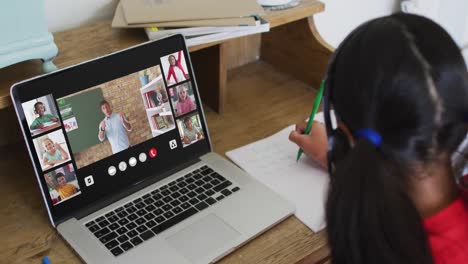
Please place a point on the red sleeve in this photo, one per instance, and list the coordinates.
(171, 73)
(448, 232)
(182, 69)
(179, 63)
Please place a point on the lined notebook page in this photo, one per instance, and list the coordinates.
(272, 161)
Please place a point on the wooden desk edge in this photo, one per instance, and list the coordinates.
(281, 17)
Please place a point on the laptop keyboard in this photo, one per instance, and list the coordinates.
(141, 219)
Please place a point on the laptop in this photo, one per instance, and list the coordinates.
(123, 158)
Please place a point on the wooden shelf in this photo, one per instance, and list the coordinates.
(159, 131)
(154, 109)
(151, 86)
(165, 114)
(304, 10)
(88, 42)
(157, 110)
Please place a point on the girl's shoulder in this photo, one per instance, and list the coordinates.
(447, 231)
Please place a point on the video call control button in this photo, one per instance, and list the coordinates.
(89, 180)
(142, 157)
(122, 166)
(173, 144)
(153, 152)
(112, 170)
(132, 162)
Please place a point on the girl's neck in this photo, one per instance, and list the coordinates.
(433, 187)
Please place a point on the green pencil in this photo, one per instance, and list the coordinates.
(317, 101)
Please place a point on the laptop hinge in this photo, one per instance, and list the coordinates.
(83, 212)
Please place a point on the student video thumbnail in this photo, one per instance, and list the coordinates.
(190, 129)
(52, 149)
(175, 68)
(182, 98)
(113, 116)
(62, 184)
(41, 115)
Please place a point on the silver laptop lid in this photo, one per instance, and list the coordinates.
(98, 128)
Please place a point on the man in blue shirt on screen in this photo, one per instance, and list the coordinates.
(114, 127)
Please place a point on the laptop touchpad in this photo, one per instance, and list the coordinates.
(204, 237)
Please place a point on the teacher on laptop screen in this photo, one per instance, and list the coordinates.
(114, 126)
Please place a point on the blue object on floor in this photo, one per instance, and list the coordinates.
(45, 260)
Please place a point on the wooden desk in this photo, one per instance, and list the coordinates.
(255, 100)
(260, 102)
(39, 131)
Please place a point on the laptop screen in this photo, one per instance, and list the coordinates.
(96, 128)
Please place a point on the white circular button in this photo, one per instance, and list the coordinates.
(122, 166)
(132, 161)
(112, 170)
(142, 157)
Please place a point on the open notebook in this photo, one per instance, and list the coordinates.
(272, 161)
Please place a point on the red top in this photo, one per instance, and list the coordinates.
(448, 232)
(171, 71)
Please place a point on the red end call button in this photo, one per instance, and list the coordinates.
(153, 152)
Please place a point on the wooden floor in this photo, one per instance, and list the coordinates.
(260, 102)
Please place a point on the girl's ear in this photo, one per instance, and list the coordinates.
(347, 132)
(423, 170)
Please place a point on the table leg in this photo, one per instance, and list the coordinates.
(210, 70)
(297, 49)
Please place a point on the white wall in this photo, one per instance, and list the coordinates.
(342, 16)
(453, 16)
(465, 46)
(66, 14)
(450, 14)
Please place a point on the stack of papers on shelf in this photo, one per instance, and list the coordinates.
(200, 21)
(145, 11)
(200, 35)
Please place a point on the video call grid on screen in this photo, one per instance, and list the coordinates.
(114, 116)
(162, 126)
(51, 148)
(184, 106)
